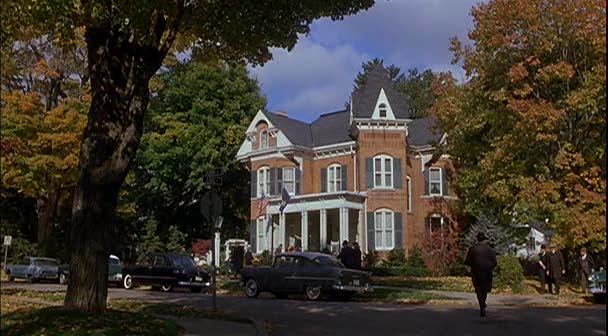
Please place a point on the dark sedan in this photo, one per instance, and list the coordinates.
(165, 271)
(305, 272)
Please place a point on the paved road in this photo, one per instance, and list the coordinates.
(301, 317)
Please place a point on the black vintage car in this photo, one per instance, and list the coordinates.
(165, 271)
(305, 272)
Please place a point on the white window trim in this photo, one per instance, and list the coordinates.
(409, 194)
(293, 181)
(383, 171)
(441, 218)
(440, 181)
(384, 229)
(260, 235)
(264, 134)
(263, 175)
(337, 177)
(382, 107)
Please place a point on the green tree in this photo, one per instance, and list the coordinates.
(498, 235)
(528, 129)
(394, 72)
(148, 240)
(176, 240)
(127, 43)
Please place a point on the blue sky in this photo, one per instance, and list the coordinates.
(317, 76)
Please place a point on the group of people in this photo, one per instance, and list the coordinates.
(551, 268)
(350, 256)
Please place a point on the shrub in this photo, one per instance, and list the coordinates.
(415, 259)
(264, 259)
(509, 274)
(21, 248)
(370, 260)
(439, 251)
(400, 271)
(396, 257)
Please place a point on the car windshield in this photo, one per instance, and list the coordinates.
(45, 262)
(183, 261)
(329, 261)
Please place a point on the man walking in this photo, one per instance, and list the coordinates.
(482, 260)
(346, 255)
(585, 267)
(556, 268)
(542, 267)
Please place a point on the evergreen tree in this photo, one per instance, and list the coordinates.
(149, 241)
(499, 236)
(176, 240)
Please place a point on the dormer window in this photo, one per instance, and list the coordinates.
(382, 110)
(263, 139)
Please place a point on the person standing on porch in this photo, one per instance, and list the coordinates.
(279, 249)
(356, 256)
(482, 260)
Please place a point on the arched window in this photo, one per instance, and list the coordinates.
(263, 181)
(383, 171)
(384, 229)
(334, 178)
(263, 139)
(382, 110)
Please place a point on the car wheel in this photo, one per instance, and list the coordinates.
(11, 279)
(196, 289)
(63, 279)
(252, 289)
(166, 288)
(313, 293)
(127, 282)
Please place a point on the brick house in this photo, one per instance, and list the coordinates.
(365, 174)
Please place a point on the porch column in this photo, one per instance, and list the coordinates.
(323, 229)
(360, 227)
(304, 230)
(282, 230)
(343, 224)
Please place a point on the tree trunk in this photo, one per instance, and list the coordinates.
(46, 209)
(119, 84)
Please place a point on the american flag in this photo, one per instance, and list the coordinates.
(262, 206)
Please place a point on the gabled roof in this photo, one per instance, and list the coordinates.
(364, 99)
(330, 128)
(423, 132)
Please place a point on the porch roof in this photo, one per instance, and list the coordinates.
(312, 202)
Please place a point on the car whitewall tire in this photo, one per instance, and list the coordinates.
(63, 279)
(313, 293)
(166, 288)
(127, 282)
(252, 289)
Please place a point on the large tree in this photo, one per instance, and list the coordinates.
(127, 42)
(528, 129)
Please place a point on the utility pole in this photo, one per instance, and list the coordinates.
(211, 209)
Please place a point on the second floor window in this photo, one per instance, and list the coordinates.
(263, 139)
(409, 194)
(263, 181)
(334, 178)
(383, 171)
(435, 182)
(384, 230)
(289, 180)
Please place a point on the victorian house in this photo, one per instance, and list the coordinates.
(366, 174)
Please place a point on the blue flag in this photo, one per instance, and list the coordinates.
(284, 200)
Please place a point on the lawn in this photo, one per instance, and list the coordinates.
(393, 295)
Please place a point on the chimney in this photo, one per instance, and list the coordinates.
(282, 113)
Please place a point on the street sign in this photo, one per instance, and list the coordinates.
(211, 206)
(213, 177)
(8, 240)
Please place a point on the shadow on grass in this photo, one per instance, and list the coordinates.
(60, 321)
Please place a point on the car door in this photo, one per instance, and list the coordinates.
(141, 273)
(21, 269)
(282, 273)
(162, 270)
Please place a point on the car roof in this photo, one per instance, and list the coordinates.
(42, 258)
(308, 255)
(170, 255)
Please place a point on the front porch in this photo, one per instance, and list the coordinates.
(314, 222)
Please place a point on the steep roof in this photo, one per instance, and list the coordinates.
(331, 128)
(298, 132)
(364, 99)
(423, 132)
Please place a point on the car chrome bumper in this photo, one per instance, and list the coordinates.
(115, 277)
(193, 284)
(358, 289)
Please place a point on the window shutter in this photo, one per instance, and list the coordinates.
(426, 181)
(279, 181)
(253, 235)
(273, 181)
(323, 179)
(369, 173)
(371, 238)
(254, 184)
(444, 181)
(344, 176)
(298, 173)
(398, 230)
(397, 174)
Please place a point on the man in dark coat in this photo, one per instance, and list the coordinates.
(248, 258)
(585, 267)
(346, 255)
(555, 268)
(356, 256)
(482, 260)
(542, 267)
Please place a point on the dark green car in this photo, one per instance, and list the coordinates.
(114, 271)
(597, 284)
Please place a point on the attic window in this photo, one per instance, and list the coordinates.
(382, 110)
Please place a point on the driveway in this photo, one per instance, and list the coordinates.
(300, 317)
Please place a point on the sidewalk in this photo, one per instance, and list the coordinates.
(200, 327)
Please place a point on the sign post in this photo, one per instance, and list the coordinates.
(7, 242)
(211, 209)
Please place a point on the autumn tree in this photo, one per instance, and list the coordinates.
(528, 128)
(127, 42)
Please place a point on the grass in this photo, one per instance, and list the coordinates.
(229, 286)
(404, 296)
